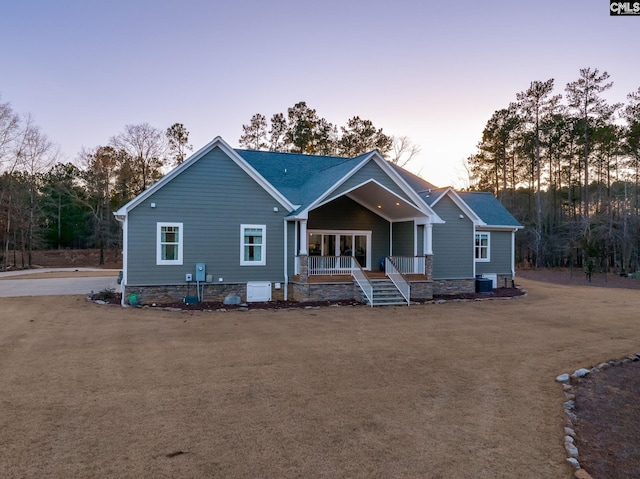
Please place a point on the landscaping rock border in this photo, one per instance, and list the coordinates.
(569, 408)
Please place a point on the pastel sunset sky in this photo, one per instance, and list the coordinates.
(433, 71)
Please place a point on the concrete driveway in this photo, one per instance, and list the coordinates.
(22, 285)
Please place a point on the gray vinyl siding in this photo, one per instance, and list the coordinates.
(499, 254)
(212, 198)
(403, 235)
(345, 214)
(370, 171)
(453, 253)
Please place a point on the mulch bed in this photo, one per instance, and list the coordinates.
(496, 293)
(115, 298)
(608, 422)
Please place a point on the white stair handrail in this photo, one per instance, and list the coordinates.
(361, 278)
(397, 278)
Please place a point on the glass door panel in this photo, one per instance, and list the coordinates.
(328, 245)
(346, 245)
(314, 243)
(360, 251)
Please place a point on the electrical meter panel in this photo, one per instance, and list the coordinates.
(200, 272)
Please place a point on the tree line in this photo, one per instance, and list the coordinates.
(45, 203)
(302, 130)
(568, 167)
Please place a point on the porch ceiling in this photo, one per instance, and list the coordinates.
(384, 202)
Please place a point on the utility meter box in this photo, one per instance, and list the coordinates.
(200, 272)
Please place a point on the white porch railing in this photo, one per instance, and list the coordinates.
(363, 282)
(342, 265)
(397, 277)
(330, 265)
(409, 264)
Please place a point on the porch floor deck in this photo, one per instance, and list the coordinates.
(328, 278)
(346, 278)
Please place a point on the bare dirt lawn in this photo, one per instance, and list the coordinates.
(454, 390)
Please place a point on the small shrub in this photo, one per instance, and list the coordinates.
(106, 294)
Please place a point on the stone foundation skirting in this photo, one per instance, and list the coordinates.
(454, 286)
(347, 291)
(212, 292)
(421, 290)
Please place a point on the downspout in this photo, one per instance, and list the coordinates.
(296, 232)
(123, 220)
(513, 254)
(286, 275)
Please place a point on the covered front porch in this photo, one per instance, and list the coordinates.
(330, 266)
(400, 281)
(360, 239)
(368, 222)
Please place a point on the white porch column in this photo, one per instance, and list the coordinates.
(304, 240)
(428, 238)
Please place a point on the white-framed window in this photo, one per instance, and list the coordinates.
(170, 241)
(482, 248)
(253, 244)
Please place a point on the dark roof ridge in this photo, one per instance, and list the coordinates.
(291, 153)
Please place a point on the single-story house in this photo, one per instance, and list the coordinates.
(263, 226)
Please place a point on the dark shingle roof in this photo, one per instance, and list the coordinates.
(301, 178)
(489, 209)
(304, 178)
(418, 184)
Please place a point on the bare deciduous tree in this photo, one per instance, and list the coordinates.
(9, 132)
(403, 151)
(146, 147)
